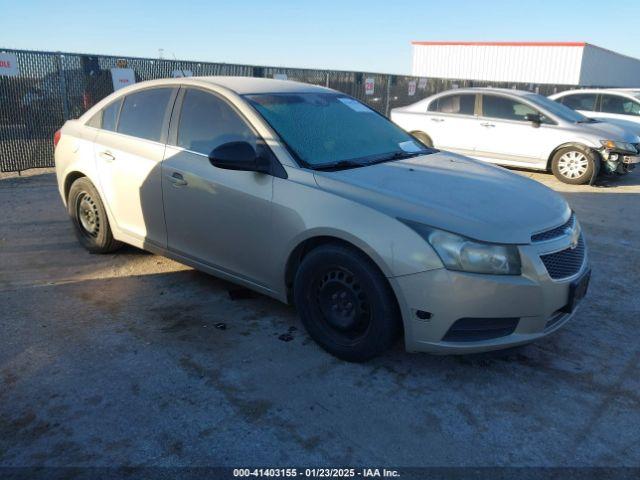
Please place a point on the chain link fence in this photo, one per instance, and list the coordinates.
(44, 89)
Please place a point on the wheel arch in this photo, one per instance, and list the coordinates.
(68, 181)
(422, 132)
(569, 144)
(310, 243)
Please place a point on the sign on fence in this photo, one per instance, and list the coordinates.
(369, 85)
(412, 88)
(122, 77)
(9, 65)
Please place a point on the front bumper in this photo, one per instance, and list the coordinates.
(533, 300)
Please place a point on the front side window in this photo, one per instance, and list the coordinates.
(143, 113)
(463, 104)
(324, 128)
(620, 105)
(207, 122)
(583, 101)
(505, 108)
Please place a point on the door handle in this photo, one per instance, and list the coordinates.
(487, 124)
(107, 155)
(437, 119)
(177, 179)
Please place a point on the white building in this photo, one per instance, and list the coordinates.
(564, 63)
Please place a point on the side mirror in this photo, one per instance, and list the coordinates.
(238, 156)
(534, 118)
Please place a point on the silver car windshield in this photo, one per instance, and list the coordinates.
(328, 129)
(559, 110)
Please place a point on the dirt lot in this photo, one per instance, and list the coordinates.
(121, 360)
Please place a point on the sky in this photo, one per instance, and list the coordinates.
(371, 35)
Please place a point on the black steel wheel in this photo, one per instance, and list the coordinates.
(89, 218)
(345, 303)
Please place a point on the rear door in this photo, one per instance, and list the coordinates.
(129, 150)
(221, 218)
(451, 122)
(619, 107)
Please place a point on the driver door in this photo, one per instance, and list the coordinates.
(221, 218)
(506, 136)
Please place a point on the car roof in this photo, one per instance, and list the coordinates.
(507, 91)
(242, 85)
(628, 91)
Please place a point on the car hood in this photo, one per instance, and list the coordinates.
(608, 131)
(631, 127)
(453, 193)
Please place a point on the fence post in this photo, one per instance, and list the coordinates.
(327, 81)
(62, 86)
(386, 108)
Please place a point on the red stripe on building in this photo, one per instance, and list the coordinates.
(507, 44)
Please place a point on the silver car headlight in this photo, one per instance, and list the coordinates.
(620, 146)
(466, 255)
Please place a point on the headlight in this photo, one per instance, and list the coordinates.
(622, 146)
(466, 255)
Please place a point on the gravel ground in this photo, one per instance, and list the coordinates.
(132, 359)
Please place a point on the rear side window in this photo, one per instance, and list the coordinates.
(463, 104)
(619, 105)
(107, 117)
(143, 113)
(207, 122)
(505, 108)
(110, 116)
(583, 101)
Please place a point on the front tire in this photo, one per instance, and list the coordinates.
(89, 218)
(345, 303)
(574, 165)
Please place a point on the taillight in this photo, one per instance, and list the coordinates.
(56, 138)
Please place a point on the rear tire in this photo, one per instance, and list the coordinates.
(345, 303)
(423, 138)
(574, 165)
(89, 218)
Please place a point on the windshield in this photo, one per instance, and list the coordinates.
(328, 128)
(559, 110)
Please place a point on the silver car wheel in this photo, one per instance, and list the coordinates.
(573, 164)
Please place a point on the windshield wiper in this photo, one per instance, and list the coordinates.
(397, 156)
(339, 165)
(588, 120)
(389, 157)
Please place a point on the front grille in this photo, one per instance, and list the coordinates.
(556, 232)
(565, 263)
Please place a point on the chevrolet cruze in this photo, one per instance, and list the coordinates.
(308, 196)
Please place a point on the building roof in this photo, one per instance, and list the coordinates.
(506, 44)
